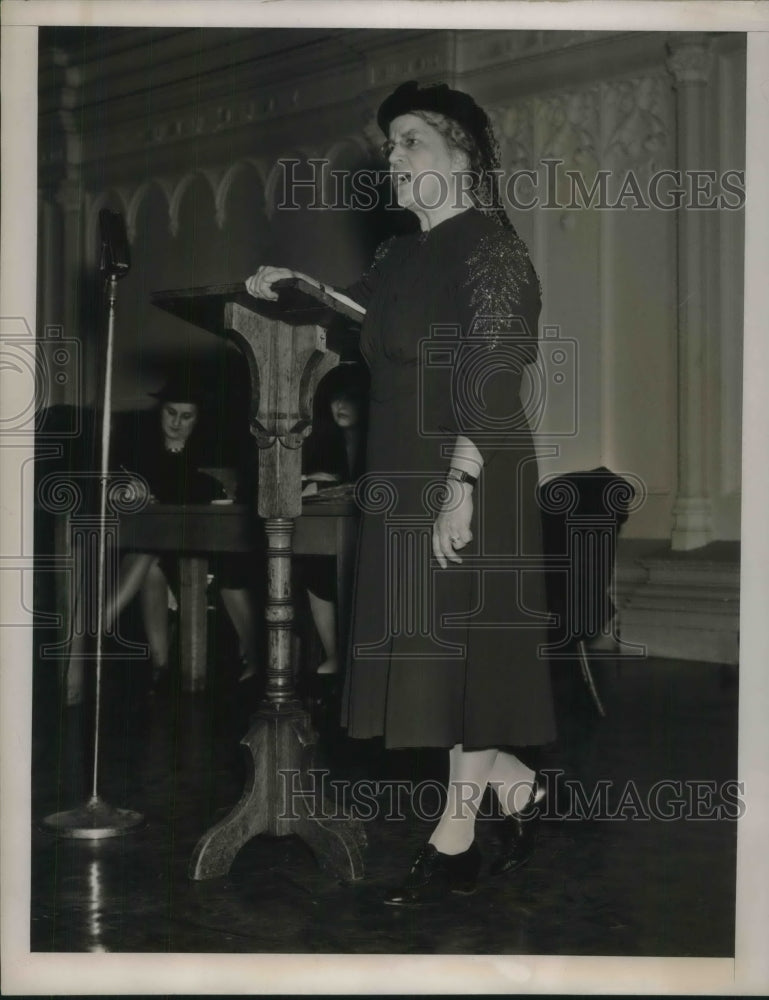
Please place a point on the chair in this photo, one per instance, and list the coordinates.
(582, 513)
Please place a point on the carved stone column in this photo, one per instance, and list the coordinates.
(689, 61)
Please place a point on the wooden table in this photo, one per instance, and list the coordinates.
(195, 531)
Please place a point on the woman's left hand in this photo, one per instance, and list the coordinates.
(451, 529)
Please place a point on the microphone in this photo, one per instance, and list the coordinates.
(115, 253)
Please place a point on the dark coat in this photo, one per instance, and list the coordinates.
(447, 656)
(173, 477)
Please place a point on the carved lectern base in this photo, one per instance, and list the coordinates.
(281, 798)
(287, 356)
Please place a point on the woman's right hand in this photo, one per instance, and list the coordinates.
(260, 284)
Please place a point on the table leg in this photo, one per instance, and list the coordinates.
(193, 630)
(279, 611)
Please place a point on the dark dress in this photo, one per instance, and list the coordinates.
(325, 450)
(175, 478)
(447, 656)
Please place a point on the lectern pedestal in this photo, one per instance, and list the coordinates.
(285, 347)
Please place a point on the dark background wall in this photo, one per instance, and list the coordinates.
(184, 132)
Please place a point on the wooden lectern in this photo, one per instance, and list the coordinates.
(285, 346)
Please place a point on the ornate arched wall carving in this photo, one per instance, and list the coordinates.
(228, 179)
(210, 175)
(138, 197)
(624, 122)
(293, 163)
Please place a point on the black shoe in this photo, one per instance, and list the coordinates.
(434, 875)
(518, 834)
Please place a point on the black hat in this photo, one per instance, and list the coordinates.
(439, 97)
(182, 389)
(460, 107)
(347, 379)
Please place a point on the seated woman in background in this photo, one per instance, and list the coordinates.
(333, 455)
(167, 460)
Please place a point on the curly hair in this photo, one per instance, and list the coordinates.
(485, 190)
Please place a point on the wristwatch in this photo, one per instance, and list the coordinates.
(461, 476)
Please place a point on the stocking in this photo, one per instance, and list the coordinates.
(512, 782)
(469, 772)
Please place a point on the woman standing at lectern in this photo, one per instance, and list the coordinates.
(447, 655)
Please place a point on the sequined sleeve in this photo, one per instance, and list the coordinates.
(498, 299)
(362, 290)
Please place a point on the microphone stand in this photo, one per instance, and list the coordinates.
(96, 819)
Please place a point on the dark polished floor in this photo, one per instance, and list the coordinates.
(606, 885)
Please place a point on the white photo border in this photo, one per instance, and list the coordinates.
(112, 974)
